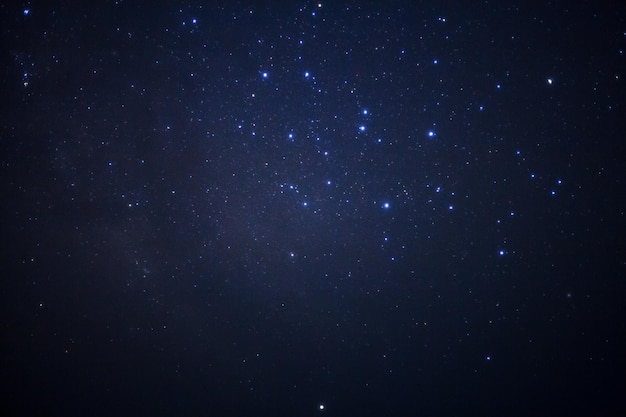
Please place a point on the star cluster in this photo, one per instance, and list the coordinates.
(317, 207)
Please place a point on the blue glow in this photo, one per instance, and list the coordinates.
(435, 61)
(306, 74)
(501, 252)
(364, 112)
(431, 134)
(264, 74)
(362, 128)
(386, 205)
(26, 12)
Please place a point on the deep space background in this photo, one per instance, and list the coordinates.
(401, 208)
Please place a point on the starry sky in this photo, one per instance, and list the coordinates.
(339, 208)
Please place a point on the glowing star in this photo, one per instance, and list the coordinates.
(264, 74)
(386, 205)
(431, 134)
(321, 407)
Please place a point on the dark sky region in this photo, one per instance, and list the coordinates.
(400, 208)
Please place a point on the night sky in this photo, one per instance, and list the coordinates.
(344, 209)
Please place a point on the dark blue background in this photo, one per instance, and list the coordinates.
(200, 218)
